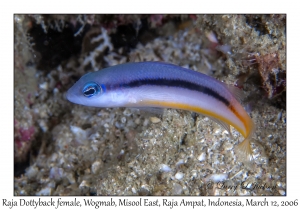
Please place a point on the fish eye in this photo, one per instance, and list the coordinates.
(91, 89)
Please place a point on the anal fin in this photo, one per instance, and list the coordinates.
(223, 125)
(219, 122)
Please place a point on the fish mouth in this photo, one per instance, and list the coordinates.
(72, 97)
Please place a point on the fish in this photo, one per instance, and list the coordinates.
(165, 85)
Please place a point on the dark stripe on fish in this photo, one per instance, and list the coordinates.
(177, 83)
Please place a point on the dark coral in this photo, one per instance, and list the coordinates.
(56, 46)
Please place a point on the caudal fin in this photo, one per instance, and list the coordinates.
(244, 152)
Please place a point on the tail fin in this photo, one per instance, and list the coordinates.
(244, 152)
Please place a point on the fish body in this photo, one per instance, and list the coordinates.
(157, 84)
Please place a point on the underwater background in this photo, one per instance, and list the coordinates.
(67, 149)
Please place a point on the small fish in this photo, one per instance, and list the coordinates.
(163, 85)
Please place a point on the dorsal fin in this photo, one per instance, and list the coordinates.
(236, 92)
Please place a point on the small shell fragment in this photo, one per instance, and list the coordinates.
(164, 168)
(84, 184)
(179, 175)
(95, 167)
(154, 120)
(282, 192)
(202, 156)
(179, 163)
(216, 177)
